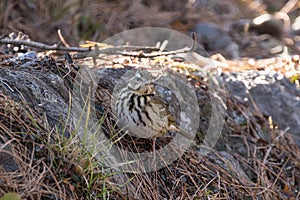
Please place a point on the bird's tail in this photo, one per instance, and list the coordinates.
(182, 132)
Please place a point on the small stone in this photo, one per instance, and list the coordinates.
(295, 58)
(7, 160)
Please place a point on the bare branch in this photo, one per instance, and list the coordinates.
(42, 46)
(126, 50)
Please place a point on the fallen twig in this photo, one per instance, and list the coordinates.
(62, 39)
(272, 145)
(42, 46)
(125, 50)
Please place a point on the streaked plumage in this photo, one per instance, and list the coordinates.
(143, 112)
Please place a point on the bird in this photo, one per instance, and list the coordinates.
(143, 112)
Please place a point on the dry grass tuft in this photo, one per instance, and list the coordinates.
(50, 166)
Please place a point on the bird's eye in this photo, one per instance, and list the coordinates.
(138, 79)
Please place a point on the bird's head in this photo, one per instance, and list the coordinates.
(141, 84)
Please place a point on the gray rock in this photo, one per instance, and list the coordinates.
(7, 161)
(272, 93)
(296, 26)
(44, 92)
(275, 25)
(215, 40)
